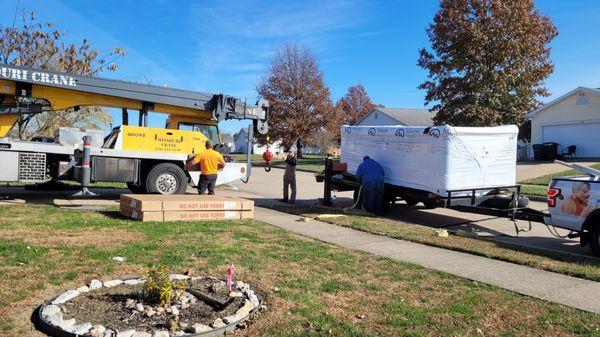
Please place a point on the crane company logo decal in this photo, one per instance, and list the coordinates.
(348, 130)
(372, 132)
(400, 133)
(37, 76)
(435, 133)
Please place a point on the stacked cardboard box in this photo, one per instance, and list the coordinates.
(187, 207)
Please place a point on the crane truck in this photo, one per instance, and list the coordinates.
(147, 159)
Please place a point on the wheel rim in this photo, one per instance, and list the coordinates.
(167, 183)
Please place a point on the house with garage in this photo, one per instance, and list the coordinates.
(572, 119)
(397, 116)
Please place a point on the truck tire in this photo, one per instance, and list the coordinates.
(136, 189)
(166, 178)
(595, 240)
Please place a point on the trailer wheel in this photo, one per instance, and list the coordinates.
(429, 203)
(595, 240)
(136, 189)
(166, 178)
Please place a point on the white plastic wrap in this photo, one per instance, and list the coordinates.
(435, 159)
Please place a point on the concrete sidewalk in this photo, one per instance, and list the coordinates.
(566, 290)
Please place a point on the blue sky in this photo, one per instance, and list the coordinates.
(224, 46)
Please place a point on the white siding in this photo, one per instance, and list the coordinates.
(376, 118)
(560, 120)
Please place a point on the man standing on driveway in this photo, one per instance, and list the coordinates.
(289, 178)
(370, 175)
(209, 162)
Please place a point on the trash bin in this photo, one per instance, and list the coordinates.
(537, 151)
(550, 150)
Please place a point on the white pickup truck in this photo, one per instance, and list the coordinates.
(574, 204)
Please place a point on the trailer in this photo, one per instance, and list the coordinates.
(573, 202)
(147, 159)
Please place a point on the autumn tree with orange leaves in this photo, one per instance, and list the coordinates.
(351, 108)
(299, 100)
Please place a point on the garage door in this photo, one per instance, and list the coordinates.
(586, 136)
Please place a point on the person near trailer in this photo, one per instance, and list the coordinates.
(289, 178)
(209, 162)
(370, 175)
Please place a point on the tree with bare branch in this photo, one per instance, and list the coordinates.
(41, 46)
(299, 100)
(351, 108)
(488, 61)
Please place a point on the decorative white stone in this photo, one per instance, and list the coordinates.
(97, 331)
(132, 282)
(240, 313)
(67, 324)
(95, 284)
(80, 329)
(128, 333)
(109, 333)
(242, 286)
(139, 307)
(83, 289)
(118, 259)
(161, 333)
(175, 310)
(218, 323)
(66, 296)
(253, 298)
(177, 277)
(141, 334)
(199, 327)
(112, 283)
(51, 313)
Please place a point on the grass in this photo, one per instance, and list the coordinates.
(581, 267)
(537, 190)
(309, 162)
(545, 180)
(311, 288)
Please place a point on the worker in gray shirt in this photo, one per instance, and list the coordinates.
(289, 178)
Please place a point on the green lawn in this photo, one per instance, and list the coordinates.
(545, 180)
(309, 162)
(560, 263)
(311, 288)
(537, 190)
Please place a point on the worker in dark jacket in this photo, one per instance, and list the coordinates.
(370, 175)
(289, 178)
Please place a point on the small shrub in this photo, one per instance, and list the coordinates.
(159, 288)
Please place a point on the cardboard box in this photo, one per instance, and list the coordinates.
(142, 216)
(207, 215)
(185, 202)
(185, 207)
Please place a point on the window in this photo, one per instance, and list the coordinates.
(582, 100)
(210, 131)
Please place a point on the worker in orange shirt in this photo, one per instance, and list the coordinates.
(209, 162)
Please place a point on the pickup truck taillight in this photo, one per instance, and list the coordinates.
(553, 193)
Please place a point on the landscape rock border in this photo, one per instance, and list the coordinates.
(52, 323)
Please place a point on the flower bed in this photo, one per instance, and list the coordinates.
(120, 308)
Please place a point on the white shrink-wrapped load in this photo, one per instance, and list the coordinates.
(435, 159)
